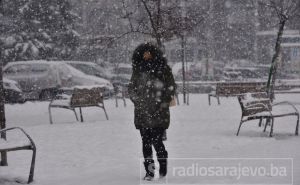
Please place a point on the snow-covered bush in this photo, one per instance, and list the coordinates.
(37, 29)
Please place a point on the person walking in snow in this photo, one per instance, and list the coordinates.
(151, 89)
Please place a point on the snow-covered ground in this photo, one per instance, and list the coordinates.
(105, 152)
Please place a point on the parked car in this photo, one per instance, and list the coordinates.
(241, 73)
(42, 79)
(90, 68)
(12, 92)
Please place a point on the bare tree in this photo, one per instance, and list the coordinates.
(285, 10)
(144, 17)
(163, 20)
(3, 161)
(160, 19)
(2, 115)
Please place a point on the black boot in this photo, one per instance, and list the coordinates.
(163, 166)
(149, 167)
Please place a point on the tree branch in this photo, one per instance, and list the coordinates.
(152, 22)
(127, 14)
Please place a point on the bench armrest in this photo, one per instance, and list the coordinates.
(22, 130)
(286, 103)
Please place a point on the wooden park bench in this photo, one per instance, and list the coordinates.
(78, 98)
(7, 146)
(259, 106)
(233, 89)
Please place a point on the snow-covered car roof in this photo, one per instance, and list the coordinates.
(73, 70)
(104, 73)
(29, 62)
(76, 72)
(78, 62)
(50, 63)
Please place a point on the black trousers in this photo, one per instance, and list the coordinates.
(153, 137)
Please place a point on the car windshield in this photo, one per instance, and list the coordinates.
(39, 68)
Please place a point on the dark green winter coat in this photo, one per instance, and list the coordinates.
(151, 88)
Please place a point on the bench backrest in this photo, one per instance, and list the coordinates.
(254, 103)
(233, 89)
(121, 90)
(87, 97)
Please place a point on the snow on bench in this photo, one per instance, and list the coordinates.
(259, 106)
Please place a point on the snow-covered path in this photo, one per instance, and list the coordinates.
(108, 152)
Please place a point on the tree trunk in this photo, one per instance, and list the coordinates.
(183, 68)
(275, 59)
(2, 115)
(159, 42)
(3, 157)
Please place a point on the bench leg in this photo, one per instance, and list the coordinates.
(50, 115)
(105, 112)
(209, 103)
(239, 128)
(3, 159)
(218, 100)
(117, 105)
(81, 117)
(31, 173)
(272, 124)
(260, 122)
(124, 102)
(266, 124)
(297, 126)
(123, 97)
(75, 114)
(103, 107)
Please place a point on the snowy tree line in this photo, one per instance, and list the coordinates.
(90, 29)
(232, 25)
(37, 29)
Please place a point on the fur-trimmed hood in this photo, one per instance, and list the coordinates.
(157, 62)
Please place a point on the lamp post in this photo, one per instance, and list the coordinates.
(183, 43)
(210, 38)
(256, 28)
